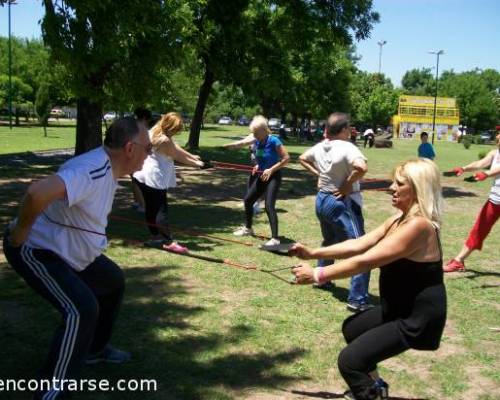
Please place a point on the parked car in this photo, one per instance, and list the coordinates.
(57, 113)
(488, 136)
(225, 121)
(274, 124)
(243, 121)
(110, 116)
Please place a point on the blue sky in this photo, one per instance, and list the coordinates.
(468, 32)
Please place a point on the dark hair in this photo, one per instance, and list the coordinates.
(424, 134)
(121, 131)
(336, 123)
(143, 114)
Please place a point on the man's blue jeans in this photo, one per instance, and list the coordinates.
(341, 220)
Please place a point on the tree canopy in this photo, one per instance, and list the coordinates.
(112, 51)
(285, 59)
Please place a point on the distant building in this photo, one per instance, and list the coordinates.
(415, 116)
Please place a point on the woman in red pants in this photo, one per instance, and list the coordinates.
(489, 213)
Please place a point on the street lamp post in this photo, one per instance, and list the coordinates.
(437, 53)
(381, 43)
(10, 71)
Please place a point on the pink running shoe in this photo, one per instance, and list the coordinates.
(175, 247)
(454, 266)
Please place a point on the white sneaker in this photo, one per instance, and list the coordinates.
(243, 231)
(271, 244)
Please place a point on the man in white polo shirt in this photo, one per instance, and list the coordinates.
(339, 165)
(56, 243)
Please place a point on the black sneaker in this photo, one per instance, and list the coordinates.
(108, 355)
(357, 308)
(349, 396)
(383, 388)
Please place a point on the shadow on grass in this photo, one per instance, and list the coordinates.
(452, 192)
(473, 274)
(187, 361)
(31, 164)
(329, 395)
(231, 138)
(342, 294)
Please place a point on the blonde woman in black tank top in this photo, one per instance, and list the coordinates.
(406, 248)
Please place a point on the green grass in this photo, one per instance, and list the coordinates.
(207, 331)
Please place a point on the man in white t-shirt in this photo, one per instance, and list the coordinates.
(339, 165)
(368, 137)
(56, 243)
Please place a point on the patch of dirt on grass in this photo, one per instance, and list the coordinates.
(479, 385)
(297, 392)
(452, 343)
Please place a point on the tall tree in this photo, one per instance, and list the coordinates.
(418, 82)
(262, 47)
(220, 46)
(111, 49)
(21, 93)
(29, 62)
(43, 106)
(476, 101)
(374, 99)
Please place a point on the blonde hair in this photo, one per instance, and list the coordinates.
(169, 125)
(424, 177)
(259, 122)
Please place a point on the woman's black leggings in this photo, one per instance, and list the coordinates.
(256, 188)
(156, 209)
(370, 340)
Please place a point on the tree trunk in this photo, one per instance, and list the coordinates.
(283, 116)
(45, 129)
(17, 116)
(206, 87)
(266, 105)
(88, 125)
(294, 126)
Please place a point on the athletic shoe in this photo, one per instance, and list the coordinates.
(383, 388)
(357, 308)
(454, 266)
(349, 396)
(109, 355)
(271, 245)
(175, 247)
(243, 231)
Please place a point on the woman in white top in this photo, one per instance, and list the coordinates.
(158, 175)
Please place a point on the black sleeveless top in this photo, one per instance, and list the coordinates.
(413, 294)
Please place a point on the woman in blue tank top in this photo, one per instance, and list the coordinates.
(271, 156)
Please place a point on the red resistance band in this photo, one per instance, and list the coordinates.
(234, 167)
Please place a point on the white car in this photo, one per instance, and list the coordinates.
(225, 121)
(57, 113)
(110, 116)
(274, 124)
